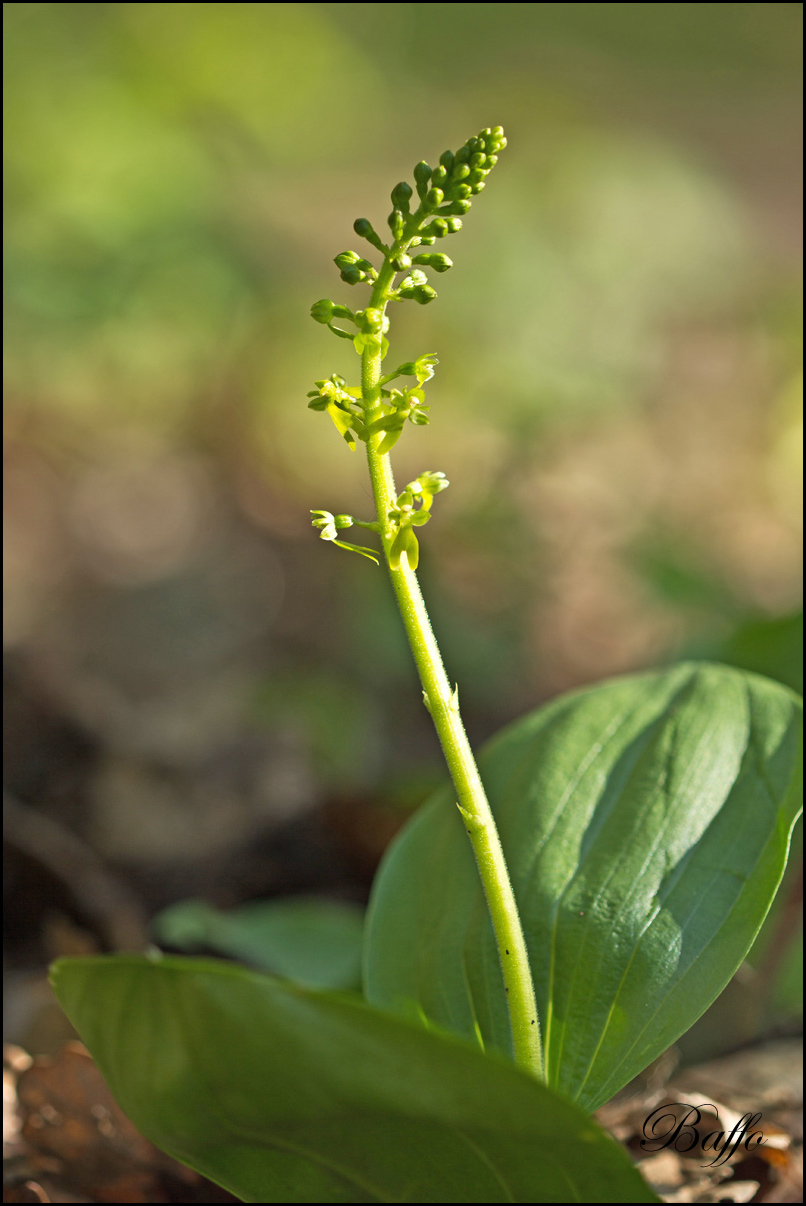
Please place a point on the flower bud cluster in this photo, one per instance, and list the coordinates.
(354, 269)
(437, 229)
(448, 187)
(445, 192)
(416, 286)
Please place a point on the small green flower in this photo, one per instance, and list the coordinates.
(329, 525)
(422, 368)
(429, 483)
(404, 542)
(341, 404)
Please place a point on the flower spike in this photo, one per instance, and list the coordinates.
(373, 413)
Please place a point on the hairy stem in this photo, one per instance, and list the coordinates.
(443, 705)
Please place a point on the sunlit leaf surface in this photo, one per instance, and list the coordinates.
(283, 1095)
(646, 824)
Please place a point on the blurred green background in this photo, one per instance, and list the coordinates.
(189, 672)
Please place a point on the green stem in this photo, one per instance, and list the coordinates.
(443, 705)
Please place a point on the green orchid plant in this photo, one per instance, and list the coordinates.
(547, 925)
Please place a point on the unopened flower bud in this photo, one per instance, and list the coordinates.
(322, 311)
(435, 260)
(364, 228)
(422, 177)
(424, 294)
(353, 268)
(346, 258)
(401, 194)
(373, 319)
(494, 141)
(434, 197)
(422, 172)
(416, 277)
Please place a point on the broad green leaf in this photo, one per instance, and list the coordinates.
(284, 1095)
(646, 824)
(316, 943)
